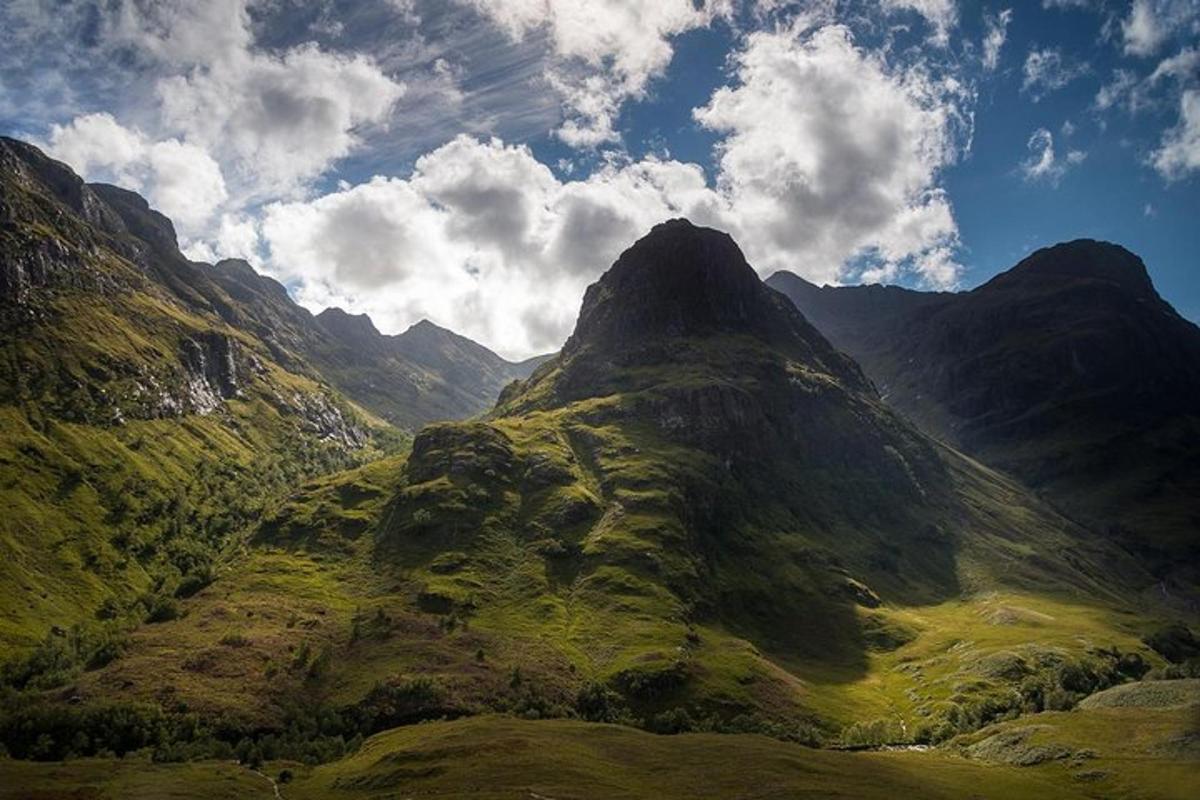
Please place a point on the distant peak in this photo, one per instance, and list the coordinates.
(345, 325)
(424, 326)
(1081, 259)
(243, 273)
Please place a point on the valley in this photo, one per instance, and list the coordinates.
(242, 540)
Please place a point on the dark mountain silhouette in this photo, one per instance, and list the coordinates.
(1068, 370)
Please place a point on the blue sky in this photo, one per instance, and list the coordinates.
(479, 162)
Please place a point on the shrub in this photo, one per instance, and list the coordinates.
(873, 734)
(235, 639)
(163, 609)
(672, 721)
(597, 703)
(320, 665)
(389, 705)
(192, 583)
(1176, 643)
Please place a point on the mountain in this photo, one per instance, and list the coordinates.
(425, 373)
(1057, 371)
(150, 406)
(699, 515)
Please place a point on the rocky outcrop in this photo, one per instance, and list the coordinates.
(211, 371)
(32, 264)
(320, 416)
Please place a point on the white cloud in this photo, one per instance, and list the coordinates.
(1179, 153)
(831, 154)
(1152, 23)
(1120, 90)
(481, 238)
(1135, 94)
(1144, 32)
(282, 119)
(1044, 163)
(604, 51)
(179, 179)
(273, 119)
(1048, 70)
(942, 15)
(993, 39)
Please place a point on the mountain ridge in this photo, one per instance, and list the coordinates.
(1050, 370)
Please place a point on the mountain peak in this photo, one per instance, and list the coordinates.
(679, 279)
(348, 327)
(1080, 260)
(424, 329)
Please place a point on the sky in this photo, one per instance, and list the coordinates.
(479, 162)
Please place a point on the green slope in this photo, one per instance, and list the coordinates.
(1075, 755)
(138, 429)
(698, 517)
(720, 528)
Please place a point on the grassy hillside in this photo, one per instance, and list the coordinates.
(699, 518)
(720, 531)
(138, 429)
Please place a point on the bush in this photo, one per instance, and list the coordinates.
(389, 705)
(192, 583)
(672, 721)
(235, 639)
(53, 732)
(873, 734)
(597, 703)
(163, 609)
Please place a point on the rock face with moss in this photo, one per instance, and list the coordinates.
(1058, 370)
(700, 491)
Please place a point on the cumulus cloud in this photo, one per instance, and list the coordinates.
(605, 52)
(481, 238)
(1043, 163)
(179, 179)
(273, 119)
(1179, 153)
(284, 119)
(831, 154)
(996, 32)
(1048, 70)
(276, 118)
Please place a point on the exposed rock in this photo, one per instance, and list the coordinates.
(211, 371)
(320, 416)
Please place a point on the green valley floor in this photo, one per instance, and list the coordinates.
(1117, 749)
